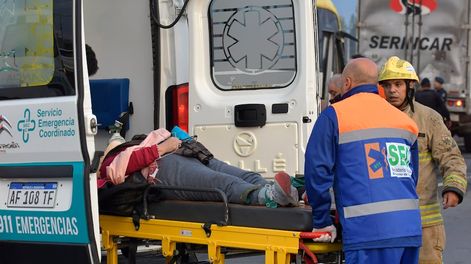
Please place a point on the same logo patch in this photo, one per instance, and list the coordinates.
(398, 156)
(395, 157)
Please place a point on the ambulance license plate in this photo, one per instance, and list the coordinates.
(32, 194)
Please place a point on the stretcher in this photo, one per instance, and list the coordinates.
(281, 233)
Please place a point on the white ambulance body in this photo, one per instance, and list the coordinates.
(240, 75)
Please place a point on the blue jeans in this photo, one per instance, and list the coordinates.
(407, 255)
(237, 184)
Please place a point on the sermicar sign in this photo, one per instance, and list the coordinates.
(406, 7)
(428, 33)
(401, 43)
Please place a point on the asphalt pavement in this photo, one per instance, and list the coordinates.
(458, 228)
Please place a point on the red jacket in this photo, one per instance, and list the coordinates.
(139, 159)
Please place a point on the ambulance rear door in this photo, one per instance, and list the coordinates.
(252, 81)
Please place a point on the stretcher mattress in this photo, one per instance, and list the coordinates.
(283, 218)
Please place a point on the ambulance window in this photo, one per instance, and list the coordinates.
(253, 44)
(36, 49)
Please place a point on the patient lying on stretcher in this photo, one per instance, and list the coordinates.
(168, 161)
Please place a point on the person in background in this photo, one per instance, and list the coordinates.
(438, 85)
(429, 97)
(439, 157)
(380, 89)
(366, 149)
(333, 88)
(424, 84)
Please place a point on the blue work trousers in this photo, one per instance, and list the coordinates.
(177, 170)
(406, 255)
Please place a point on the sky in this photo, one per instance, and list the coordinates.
(346, 8)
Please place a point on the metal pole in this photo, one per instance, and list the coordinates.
(413, 36)
(406, 40)
(420, 35)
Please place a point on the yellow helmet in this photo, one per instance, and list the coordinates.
(395, 69)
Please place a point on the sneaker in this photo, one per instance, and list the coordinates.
(280, 192)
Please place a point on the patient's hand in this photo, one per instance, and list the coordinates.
(169, 145)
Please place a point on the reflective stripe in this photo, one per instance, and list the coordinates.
(425, 156)
(430, 214)
(430, 207)
(380, 207)
(454, 180)
(372, 133)
(431, 219)
(431, 223)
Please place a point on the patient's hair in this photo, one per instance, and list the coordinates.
(92, 63)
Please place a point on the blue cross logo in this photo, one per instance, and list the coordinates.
(26, 125)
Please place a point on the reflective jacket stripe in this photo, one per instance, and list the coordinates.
(425, 156)
(380, 207)
(452, 180)
(370, 133)
(430, 214)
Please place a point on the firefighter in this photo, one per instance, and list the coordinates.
(439, 155)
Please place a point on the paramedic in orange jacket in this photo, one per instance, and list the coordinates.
(366, 149)
(439, 157)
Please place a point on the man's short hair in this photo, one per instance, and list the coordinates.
(356, 56)
(425, 82)
(92, 63)
(439, 80)
(336, 80)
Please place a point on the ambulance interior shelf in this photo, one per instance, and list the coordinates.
(110, 102)
(111, 106)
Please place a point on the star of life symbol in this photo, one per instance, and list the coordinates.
(253, 40)
(26, 125)
(5, 125)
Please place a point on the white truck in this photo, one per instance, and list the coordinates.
(434, 36)
(241, 75)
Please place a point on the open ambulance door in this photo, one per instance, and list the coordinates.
(48, 201)
(252, 81)
(331, 45)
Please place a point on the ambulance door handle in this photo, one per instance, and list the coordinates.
(92, 127)
(250, 115)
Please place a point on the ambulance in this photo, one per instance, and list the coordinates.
(245, 78)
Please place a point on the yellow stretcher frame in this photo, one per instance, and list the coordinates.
(278, 245)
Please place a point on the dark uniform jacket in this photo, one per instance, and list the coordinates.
(433, 100)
